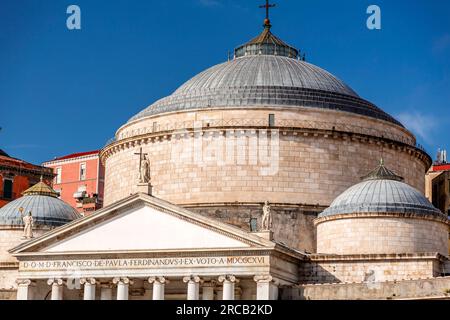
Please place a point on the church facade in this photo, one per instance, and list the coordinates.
(245, 184)
(264, 126)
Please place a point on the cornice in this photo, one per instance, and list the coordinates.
(154, 137)
(70, 160)
(374, 257)
(374, 215)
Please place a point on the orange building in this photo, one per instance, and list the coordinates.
(17, 175)
(79, 179)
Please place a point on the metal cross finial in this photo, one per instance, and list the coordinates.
(267, 6)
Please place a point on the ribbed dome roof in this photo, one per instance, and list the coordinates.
(382, 191)
(46, 208)
(265, 80)
(265, 71)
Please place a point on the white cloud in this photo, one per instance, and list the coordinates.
(420, 124)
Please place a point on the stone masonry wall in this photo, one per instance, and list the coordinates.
(367, 269)
(292, 225)
(381, 235)
(437, 288)
(311, 169)
(10, 238)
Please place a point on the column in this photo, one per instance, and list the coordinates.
(208, 290)
(57, 288)
(158, 287)
(228, 286)
(193, 290)
(89, 288)
(24, 287)
(106, 291)
(122, 287)
(266, 288)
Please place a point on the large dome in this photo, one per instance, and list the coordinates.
(265, 72)
(381, 192)
(46, 208)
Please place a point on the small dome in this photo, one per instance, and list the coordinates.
(43, 202)
(382, 191)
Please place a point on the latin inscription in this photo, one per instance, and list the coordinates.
(140, 263)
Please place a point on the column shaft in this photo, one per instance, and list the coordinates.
(122, 291)
(24, 290)
(57, 291)
(89, 291)
(228, 290)
(193, 290)
(266, 289)
(158, 290)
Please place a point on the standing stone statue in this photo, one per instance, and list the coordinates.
(266, 223)
(28, 229)
(144, 176)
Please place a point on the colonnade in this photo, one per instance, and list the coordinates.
(266, 287)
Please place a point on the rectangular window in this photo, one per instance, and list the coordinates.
(7, 189)
(58, 175)
(82, 171)
(271, 120)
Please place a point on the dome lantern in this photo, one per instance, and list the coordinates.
(266, 43)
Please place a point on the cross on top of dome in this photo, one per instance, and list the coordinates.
(266, 43)
(267, 6)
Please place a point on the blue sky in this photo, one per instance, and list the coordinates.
(65, 91)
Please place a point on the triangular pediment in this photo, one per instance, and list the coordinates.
(142, 223)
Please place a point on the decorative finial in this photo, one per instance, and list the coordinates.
(42, 178)
(267, 6)
(382, 173)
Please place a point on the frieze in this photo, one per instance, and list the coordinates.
(143, 263)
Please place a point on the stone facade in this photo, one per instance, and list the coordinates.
(381, 234)
(292, 225)
(373, 268)
(314, 165)
(9, 266)
(437, 288)
(321, 154)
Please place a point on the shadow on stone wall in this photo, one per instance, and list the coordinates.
(292, 225)
(314, 273)
(434, 288)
